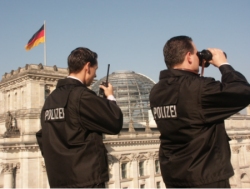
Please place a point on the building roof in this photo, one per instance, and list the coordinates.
(131, 91)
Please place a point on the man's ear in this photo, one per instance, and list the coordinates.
(189, 57)
(87, 67)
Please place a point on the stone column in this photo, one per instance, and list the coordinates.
(3, 101)
(17, 176)
(235, 158)
(42, 87)
(45, 182)
(11, 99)
(111, 161)
(117, 170)
(152, 170)
(9, 170)
(134, 165)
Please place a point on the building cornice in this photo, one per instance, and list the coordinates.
(128, 141)
(16, 148)
(33, 72)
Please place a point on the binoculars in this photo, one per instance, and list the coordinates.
(207, 56)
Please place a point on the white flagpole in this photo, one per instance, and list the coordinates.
(44, 44)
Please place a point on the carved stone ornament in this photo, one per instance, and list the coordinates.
(131, 126)
(150, 155)
(248, 148)
(12, 130)
(142, 157)
(134, 156)
(147, 128)
(156, 155)
(235, 149)
(55, 68)
(9, 167)
(40, 66)
(111, 159)
(27, 66)
(43, 166)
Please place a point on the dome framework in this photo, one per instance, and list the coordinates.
(131, 91)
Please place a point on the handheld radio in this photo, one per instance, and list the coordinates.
(101, 91)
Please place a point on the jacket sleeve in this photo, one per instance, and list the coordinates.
(220, 100)
(99, 114)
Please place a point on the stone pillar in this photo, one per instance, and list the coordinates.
(9, 170)
(135, 174)
(117, 170)
(111, 161)
(45, 182)
(19, 98)
(235, 162)
(17, 176)
(151, 168)
(131, 126)
(2, 101)
(11, 100)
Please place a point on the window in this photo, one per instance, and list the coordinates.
(142, 186)
(141, 168)
(158, 184)
(124, 170)
(157, 167)
(15, 102)
(46, 91)
(8, 102)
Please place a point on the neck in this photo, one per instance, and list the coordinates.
(188, 70)
(78, 76)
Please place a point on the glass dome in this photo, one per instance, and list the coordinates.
(131, 91)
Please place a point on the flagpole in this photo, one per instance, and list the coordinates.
(44, 44)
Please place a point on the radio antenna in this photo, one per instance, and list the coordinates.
(107, 78)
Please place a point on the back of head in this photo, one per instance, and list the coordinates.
(79, 57)
(175, 50)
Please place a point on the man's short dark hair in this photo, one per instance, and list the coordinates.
(79, 57)
(175, 50)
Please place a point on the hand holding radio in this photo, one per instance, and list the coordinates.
(105, 86)
(106, 90)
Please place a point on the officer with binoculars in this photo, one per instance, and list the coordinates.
(190, 110)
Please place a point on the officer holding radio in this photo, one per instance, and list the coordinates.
(190, 110)
(73, 119)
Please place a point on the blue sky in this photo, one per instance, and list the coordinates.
(127, 34)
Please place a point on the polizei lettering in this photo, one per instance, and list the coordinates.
(54, 114)
(164, 112)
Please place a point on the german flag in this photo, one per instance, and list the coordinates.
(36, 39)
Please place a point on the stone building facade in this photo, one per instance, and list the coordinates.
(132, 154)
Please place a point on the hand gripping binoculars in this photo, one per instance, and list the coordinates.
(207, 56)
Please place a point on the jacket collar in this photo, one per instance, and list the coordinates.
(176, 72)
(69, 81)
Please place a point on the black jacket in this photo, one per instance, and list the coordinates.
(189, 111)
(73, 119)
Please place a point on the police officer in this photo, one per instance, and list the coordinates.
(189, 111)
(73, 119)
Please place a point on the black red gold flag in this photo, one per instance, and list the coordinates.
(36, 39)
